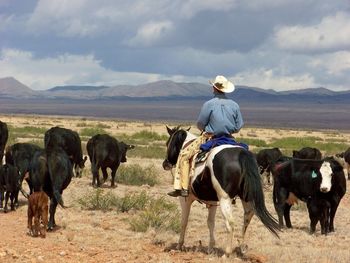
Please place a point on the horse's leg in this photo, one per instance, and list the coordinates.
(227, 211)
(248, 215)
(211, 226)
(186, 203)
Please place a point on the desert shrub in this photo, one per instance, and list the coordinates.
(253, 142)
(92, 131)
(151, 152)
(137, 175)
(97, 199)
(149, 136)
(27, 130)
(295, 142)
(330, 148)
(103, 126)
(159, 214)
(82, 124)
(133, 201)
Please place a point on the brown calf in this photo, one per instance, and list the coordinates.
(38, 208)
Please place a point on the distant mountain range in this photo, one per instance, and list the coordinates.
(11, 88)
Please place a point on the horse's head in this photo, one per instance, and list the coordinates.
(176, 139)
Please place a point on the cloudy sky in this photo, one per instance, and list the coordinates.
(277, 44)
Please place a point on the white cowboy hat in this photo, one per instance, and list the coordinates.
(222, 84)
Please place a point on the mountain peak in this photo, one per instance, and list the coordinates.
(11, 87)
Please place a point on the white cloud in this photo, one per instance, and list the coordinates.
(65, 69)
(63, 17)
(335, 63)
(45, 73)
(269, 79)
(331, 33)
(151, 33)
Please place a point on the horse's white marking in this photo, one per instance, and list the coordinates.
(326, 172)
(189, 137)
(220, 192)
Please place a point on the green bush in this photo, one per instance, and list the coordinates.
(151, 152)
(97, 199)
(89, 132)
(27, 130)
(103, 126)
(158, 214)
(148, 135)
(136, 175)
(252, 142)
(295, 142)
(133, 201)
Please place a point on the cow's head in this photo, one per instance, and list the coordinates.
(79, 167)
(329, 167)
(123, 147)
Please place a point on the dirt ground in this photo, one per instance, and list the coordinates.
(95, 236)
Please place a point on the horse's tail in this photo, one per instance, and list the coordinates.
(253, 191)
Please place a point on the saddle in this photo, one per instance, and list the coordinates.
(214, 142)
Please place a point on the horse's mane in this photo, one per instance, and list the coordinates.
(175, 142)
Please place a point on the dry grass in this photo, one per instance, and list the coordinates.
(97, 236)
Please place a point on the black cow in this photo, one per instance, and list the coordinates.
(51, 172)
(20, 155)
(266, 158)
(346, 156)
(105, 152)
(308, 153)
(315, 182)
(9, 184)
(4, 134)
(70, 142)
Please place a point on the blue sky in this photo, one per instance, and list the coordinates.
(271, 44)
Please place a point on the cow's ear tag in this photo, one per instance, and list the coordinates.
(313, 174)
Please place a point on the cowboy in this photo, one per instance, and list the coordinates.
(218, 117)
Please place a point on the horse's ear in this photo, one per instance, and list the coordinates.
(170, 131)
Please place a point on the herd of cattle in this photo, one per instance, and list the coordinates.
(319, 182)
(49, 170)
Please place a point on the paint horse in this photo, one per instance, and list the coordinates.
(229, 171)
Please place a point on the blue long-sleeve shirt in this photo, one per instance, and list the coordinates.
(220, 116)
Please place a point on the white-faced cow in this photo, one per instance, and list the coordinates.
(9, 185)
(266, 158)
(4, 134)
(319, 183)
(51, 171)
(20, 155)
(308, 153)
(105, 152)
(70, 142)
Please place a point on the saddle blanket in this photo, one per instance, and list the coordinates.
(221, 141)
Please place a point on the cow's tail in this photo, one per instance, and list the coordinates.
(253, 191)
